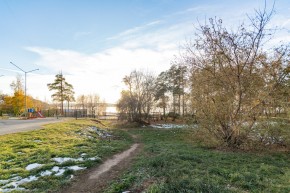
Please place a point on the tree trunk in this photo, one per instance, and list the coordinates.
(68, 107)
(179, 104)
(174, 109)
(183, 105)
(164, 106)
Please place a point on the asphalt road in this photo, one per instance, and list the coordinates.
(15, 126)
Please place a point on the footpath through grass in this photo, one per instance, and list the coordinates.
(173, 162)
(43, 160)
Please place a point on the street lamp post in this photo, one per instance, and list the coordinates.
(25, 74)
(0, 100)
(1, 75)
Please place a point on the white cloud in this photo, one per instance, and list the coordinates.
(151, 46)
(135, 30)
(102, 72)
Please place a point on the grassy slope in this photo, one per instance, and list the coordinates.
(173, 162)
(56, 140)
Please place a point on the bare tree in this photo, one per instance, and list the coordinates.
(140, 94)
(127, 106)
(93, 101)
(233, 77)
(81, 101)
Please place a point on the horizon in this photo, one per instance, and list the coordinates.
(95, 44)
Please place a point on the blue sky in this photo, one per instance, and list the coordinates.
(96, 43)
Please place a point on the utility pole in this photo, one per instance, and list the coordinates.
(25, 74)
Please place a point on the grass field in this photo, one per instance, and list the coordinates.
(47, 158)
(173, 161)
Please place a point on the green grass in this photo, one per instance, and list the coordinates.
(173, 161)
(68, 139)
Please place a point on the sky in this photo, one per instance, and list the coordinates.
(96, 43)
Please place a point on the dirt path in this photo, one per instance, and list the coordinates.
(96, 179)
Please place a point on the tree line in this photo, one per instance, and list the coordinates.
(226, 80)
(63, 97)
(63, 92)
(14, 104)
(146, 93)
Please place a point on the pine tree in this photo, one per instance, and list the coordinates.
(63, 90)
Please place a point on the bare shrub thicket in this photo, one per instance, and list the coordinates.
(235, 80)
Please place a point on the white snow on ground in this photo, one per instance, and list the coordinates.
(100, 132)
(13, 183)
(33, 166)
(65, 159)
(60, 172)
(46, 173)
(4, 181)
(168, 126)
(61, 160)
(55, 169)
(25, 180)
(94, 158)
(76, 168)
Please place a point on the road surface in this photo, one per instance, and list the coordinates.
(15, 125)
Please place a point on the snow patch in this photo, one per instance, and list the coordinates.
(46, 173)
(60, 172)
(66, 159)
(3, 182)
(14, 184)
(33, 166)
(61, 160)
(94, 158)
(169, 126)
(55, 169)
(83, 154)
(100, 132)
(76, 168)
